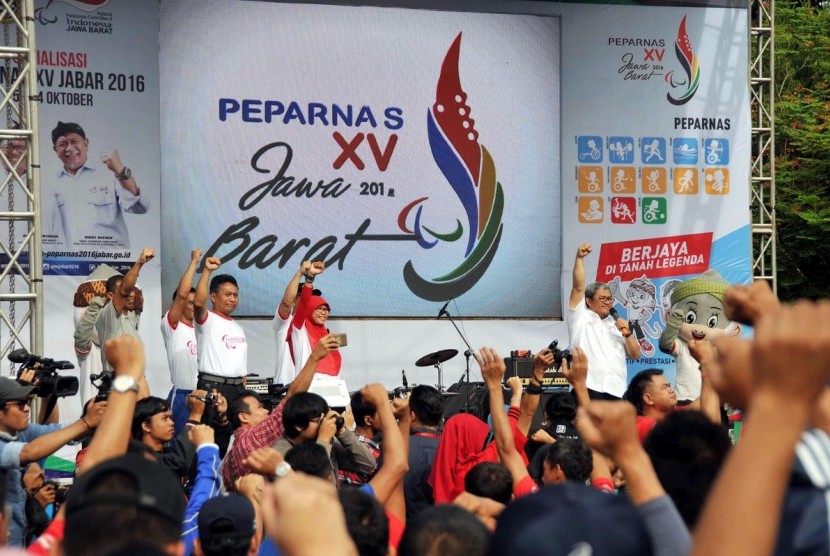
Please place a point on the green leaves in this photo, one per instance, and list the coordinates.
(802, 129)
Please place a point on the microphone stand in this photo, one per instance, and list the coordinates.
(467, 354)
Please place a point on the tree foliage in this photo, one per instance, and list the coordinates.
(802, 129)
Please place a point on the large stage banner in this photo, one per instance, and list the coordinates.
(425, 155)
(655, 157)
(405, 148)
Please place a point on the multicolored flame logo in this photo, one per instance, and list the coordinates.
(470, 171)
(687, 59)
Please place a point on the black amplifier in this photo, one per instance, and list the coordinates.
(523, 368)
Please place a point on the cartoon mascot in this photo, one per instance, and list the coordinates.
(696, 314)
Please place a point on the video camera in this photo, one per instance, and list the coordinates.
(48, 381)
(559, 355)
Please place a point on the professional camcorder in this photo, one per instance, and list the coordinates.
(48, 381)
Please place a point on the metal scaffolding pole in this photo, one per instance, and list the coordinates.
(762, 87)
(21, 262)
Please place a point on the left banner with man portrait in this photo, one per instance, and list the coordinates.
(97, 94)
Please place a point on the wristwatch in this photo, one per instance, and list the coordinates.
(125, 174)
(123, 384)
(282, 469)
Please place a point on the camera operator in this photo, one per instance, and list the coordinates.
(606, 340)
(307, 418)
(22, 443)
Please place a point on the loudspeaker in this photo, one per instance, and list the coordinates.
(456, 397)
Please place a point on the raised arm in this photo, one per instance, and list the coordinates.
(186, 282)
(200, 309)
(610, 428)
(395, 463)
(747, 303)
(780, 407)
(112, 160)
(576, 373)
(48, 444)
(290, 293)
(669, 334)
(119, 298)
(703, 351)
(533, 393)
(302, 381)
(304, 307)
(492, 370)
(578, 282)
(126, 355)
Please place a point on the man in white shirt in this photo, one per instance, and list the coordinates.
(180, 342)
(84, 206)
(223, 348)
(606, 341)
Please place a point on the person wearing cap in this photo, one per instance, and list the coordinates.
(309, 326)
(22, 443)
(222, 345)
(285, 369)
(607, 341)
(86, 204)
(696, 314)
(227, 527)
(122, 502)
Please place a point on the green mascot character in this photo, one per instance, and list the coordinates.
(696, 314)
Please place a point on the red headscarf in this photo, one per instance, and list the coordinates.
(330, 364)
(462, 446)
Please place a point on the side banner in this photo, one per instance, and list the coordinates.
(655, 158)
(403, 147)
(100, 162)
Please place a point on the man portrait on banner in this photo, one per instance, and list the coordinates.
(84, 206)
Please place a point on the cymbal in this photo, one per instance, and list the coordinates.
(431, 359)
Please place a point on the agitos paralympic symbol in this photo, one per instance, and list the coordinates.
(470, 171)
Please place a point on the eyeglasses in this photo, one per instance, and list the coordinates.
(17, 149)
(605, 299)
(323, 309)
(21, 404)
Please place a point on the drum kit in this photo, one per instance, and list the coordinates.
(436, 359)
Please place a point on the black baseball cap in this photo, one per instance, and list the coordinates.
(157, 489)
(10, 389)
(230, 516)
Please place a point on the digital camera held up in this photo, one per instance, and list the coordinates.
(559, 355)
(47, 380)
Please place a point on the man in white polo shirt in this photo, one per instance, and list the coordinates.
(180, 341)
(223, 349)
(605, 340)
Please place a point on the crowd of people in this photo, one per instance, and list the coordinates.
(617, 467)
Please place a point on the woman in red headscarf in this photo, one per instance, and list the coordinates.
(465, 442)
(308, 326)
